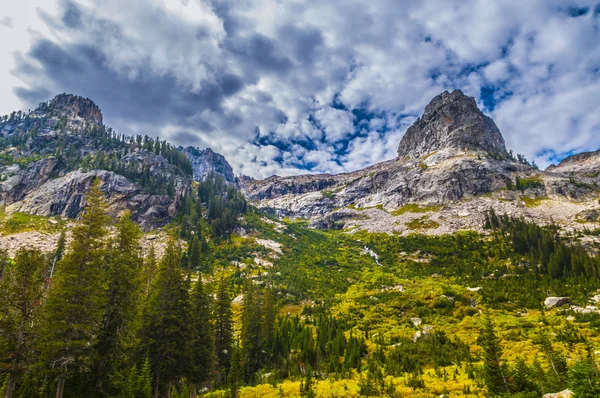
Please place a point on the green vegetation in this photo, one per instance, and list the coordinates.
(222, 314)
(522, 184)
(330, 194)
(415, 208)
(422, 223)
(20, 222)
(533, 202)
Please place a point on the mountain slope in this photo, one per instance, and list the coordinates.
(50, 156)
(452, 160)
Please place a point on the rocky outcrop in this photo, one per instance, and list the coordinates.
(65, 196)
(52, 154)
(552, 302)
(207, 161)
(72, 105)
(452, 121)
(582, 163)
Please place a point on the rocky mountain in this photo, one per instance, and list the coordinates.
(452, 121)
(50, 156)
(452, 166)
(205, 161)
(583, 163)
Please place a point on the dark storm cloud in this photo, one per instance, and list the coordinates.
(72, 16)
(81, 69)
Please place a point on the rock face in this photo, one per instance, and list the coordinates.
(452, 120)
(207, 161)
(56, 151)
(71, 105)
(452, 162)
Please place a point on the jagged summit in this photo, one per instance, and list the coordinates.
(205, 161)
(452, 120)
(74, 105)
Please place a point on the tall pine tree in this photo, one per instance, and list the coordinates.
(76, 298)
(117, 331)
(203, 347)
(495, 373)
(251, 330)
(21, 290)
(166, 322)
(223, 317)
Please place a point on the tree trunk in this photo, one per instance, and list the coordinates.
(10, 385)
(156, 385)
(60, 385)
(169, 390)
(194, 391)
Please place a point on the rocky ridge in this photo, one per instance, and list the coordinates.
(50, 156)
(452, 167)
(205, 161)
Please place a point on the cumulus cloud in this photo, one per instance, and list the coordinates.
(290, 87)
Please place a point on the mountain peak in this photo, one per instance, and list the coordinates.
(452, 120)
(77, 106)
(205, 161)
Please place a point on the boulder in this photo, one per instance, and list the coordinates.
(552, 302)
(562, 394)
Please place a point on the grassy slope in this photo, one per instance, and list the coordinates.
(331, 268)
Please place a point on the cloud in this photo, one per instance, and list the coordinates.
(318, 86)
(7, 22)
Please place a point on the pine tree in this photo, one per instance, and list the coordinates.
(269, 314)
(194, 256)
(223, 327)
(116, 333)
(144, 382)
(251, 330)
(20, 297)
(149, 268)
(522, 378)
(166, 323)
(235, 370)
(73, 312)
(495, 373)
(583, 380)
(202, 337)
(59, 251)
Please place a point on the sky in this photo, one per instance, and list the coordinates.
(326, 86)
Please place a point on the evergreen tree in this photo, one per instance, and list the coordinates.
(202, 337)
(235, 370)
(74, 309)
(20, 297)
(166, 323)
(583, 380)
(556, 376)
(149, 268)
(269, 314)
(522, 378)
(116, 333)
(495, 373)
(194, 256)
(251, 330)
(223, 317)
(59, 251)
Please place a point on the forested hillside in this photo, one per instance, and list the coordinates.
(241, 304)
